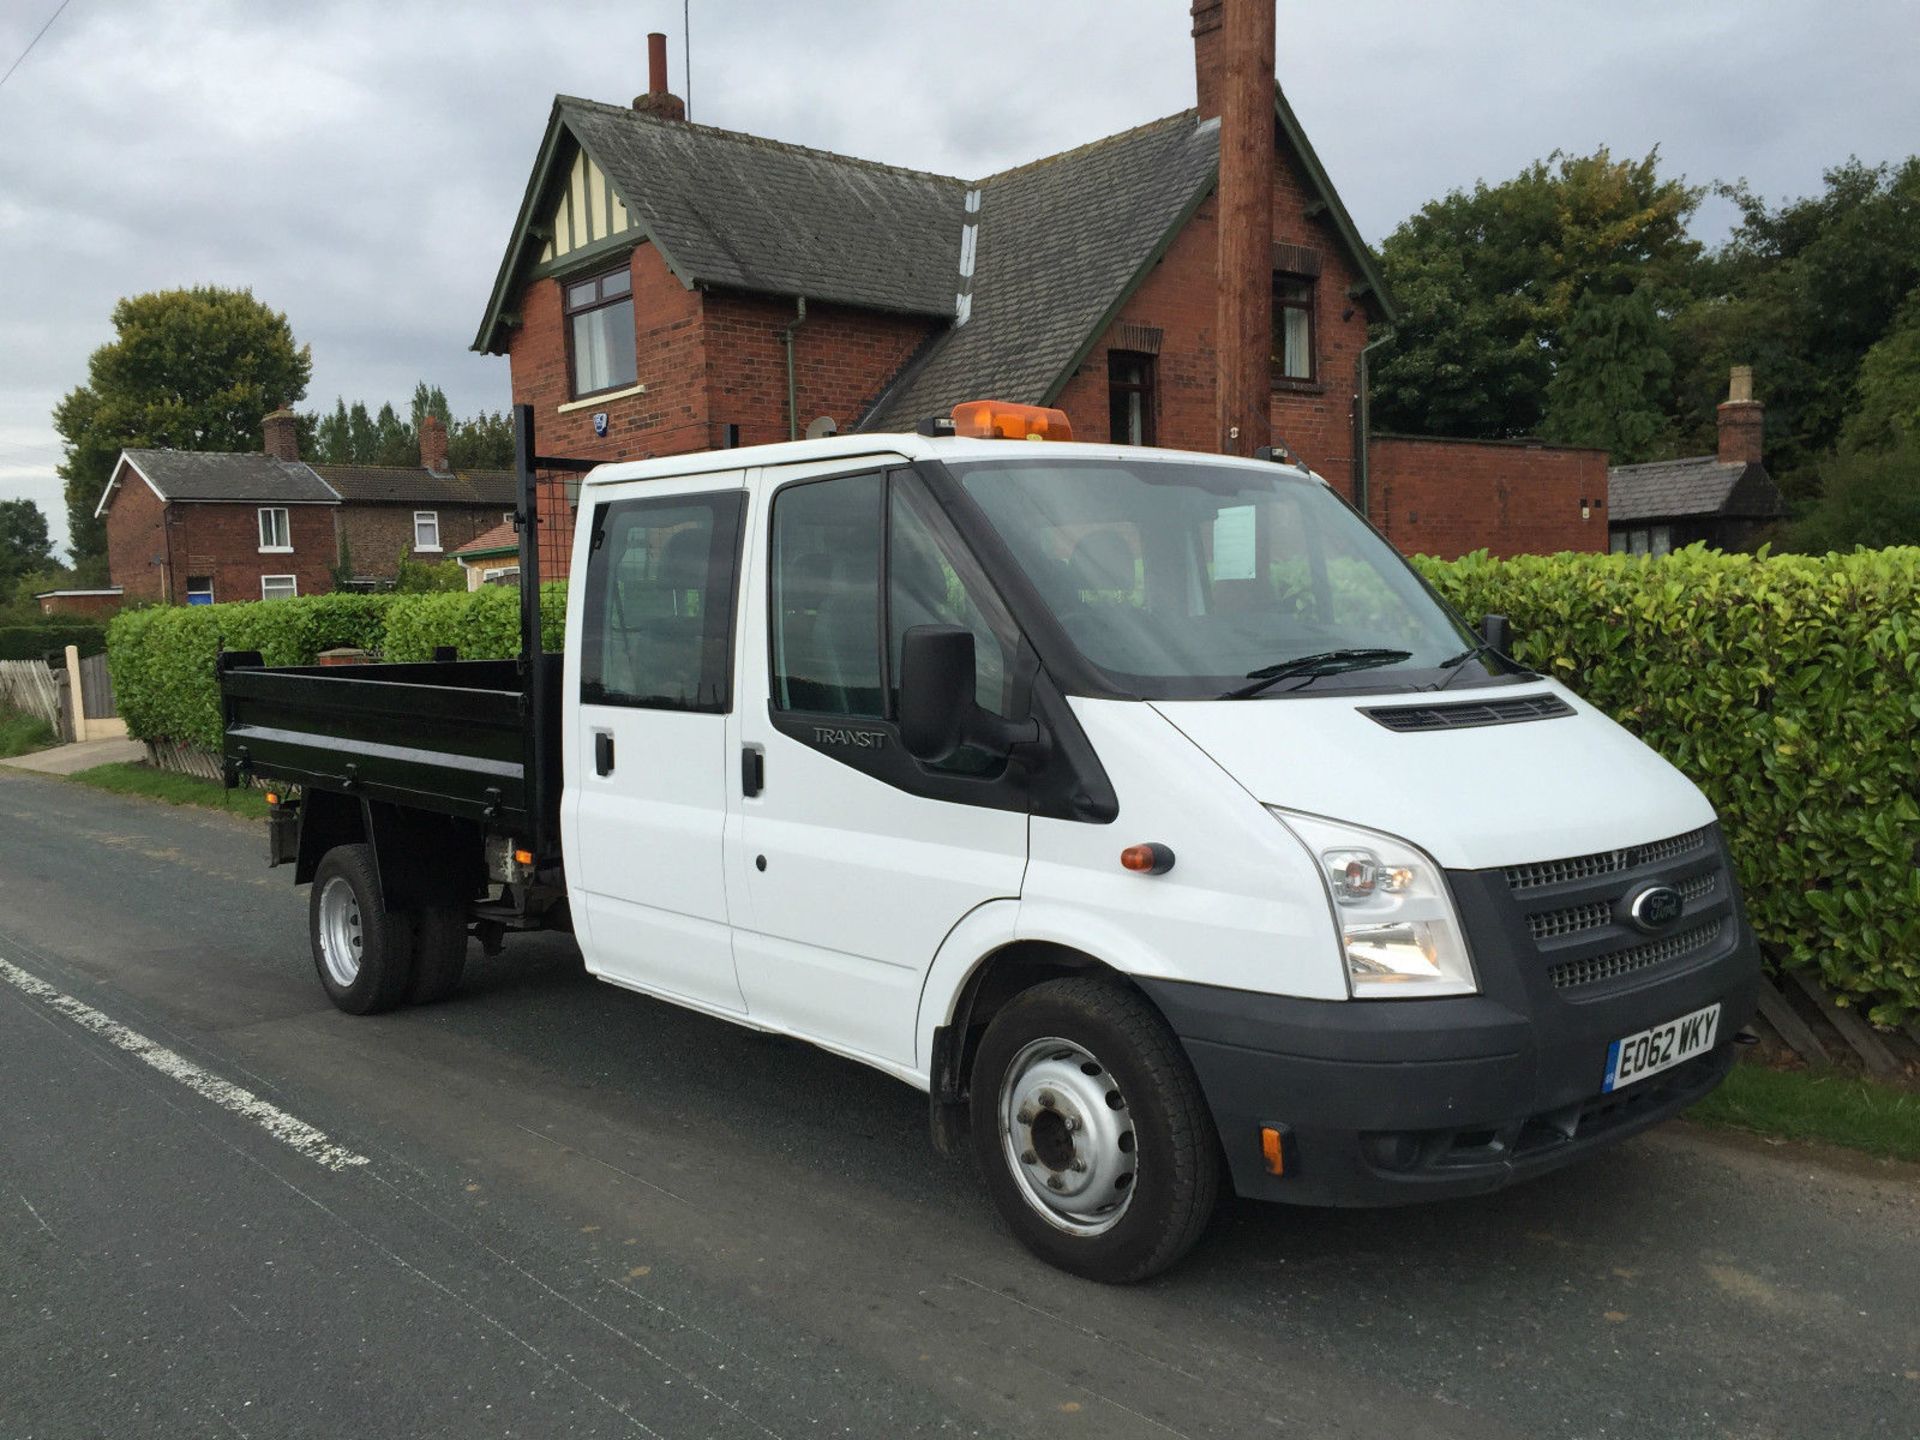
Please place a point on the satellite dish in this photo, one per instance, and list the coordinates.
(822, 426)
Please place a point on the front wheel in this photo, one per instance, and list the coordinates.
(362, 951)
(1091, 1131)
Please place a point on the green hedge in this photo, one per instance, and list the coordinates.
(33, 642)
(163, 657)
(484, 625)
(1788, 688)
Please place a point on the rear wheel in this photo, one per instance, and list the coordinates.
(439, 953)
(1091, 1131)
(362, 951)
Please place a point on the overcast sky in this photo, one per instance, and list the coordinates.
(358, 164)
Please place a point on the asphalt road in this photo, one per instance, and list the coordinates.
(551, 1208)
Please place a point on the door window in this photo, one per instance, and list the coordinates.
(826, 597)
(932, 579)
(658, 629)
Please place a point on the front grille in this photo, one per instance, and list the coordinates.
(1470, 713)
(1607, 862)
(1557, 924)
(1571, 974)
(1552, 924)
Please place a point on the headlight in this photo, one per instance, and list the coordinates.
(1398, 929)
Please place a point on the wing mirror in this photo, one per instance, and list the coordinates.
(1498, 634)
(938, 714)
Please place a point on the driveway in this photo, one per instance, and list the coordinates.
(550, 1207)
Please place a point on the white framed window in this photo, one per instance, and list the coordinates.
(279, 587)
(276, 535)
(426, 530)
(199, 589)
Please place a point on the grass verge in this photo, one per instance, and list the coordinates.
(131, 779)
(1826, 1105)
(22, 734)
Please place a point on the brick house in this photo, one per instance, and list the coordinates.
(1726, 499)
(195, 527)
(672, 287)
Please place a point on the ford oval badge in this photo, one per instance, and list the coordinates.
(1654, 908)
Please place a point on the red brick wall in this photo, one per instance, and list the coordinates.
(1447, 497)
(136, 540)
(842, 359)
(224, 541)
(376, 534)
(1314, 419)
(708, 360)
(101, 605)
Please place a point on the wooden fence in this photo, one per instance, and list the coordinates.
(32, 688)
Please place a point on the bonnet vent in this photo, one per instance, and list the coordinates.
(1470, 713)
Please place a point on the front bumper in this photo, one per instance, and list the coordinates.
(1394, 1101)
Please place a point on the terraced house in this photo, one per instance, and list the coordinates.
(670, 287)
(196, 527)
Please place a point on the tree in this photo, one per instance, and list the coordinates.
(191, 369)
(483, 443)
(1613, 383)
(1888, 391)
(1869, 498)
(351, 435)
(25, 547)
(1488, 282)
(1802, 292)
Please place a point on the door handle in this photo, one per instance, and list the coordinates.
(603, 752)
(753, 770)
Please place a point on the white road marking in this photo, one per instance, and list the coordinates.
(289, 1131)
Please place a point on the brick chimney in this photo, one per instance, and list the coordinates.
(1742, 420)
(282, 435)
(1207, 45)
(1242, 42)
(657, 102)
(433, 444)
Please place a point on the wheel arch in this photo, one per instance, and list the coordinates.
(994, 978)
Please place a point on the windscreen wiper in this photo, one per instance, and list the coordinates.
(1453, 663)
(1325, 662)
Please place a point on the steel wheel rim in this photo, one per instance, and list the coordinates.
(1068, 1136)
(342, 939)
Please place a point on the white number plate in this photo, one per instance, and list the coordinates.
(1661, 1048)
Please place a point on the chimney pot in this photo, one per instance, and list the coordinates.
(659, 102)
(1742, 421)
(656, 63)
(433, 444)
(280, 430)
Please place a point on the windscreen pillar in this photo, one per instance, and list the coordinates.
(1244, 317)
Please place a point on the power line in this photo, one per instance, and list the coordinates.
(33, 42)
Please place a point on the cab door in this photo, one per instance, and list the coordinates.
(852, 860)
(646, 796)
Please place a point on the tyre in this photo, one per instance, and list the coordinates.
(362, 950)
(1091, 1132)
(439, 953)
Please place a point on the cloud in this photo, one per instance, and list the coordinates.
(358, 164)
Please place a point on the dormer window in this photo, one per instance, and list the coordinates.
(600, 334)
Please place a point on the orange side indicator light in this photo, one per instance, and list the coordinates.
(272, 798)
(1273, 1149)
(1000, 420)
(523, 857)
(1150, 859)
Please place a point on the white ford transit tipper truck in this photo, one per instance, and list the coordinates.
(1142, 807)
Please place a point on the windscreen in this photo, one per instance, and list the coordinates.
(1185, 580)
